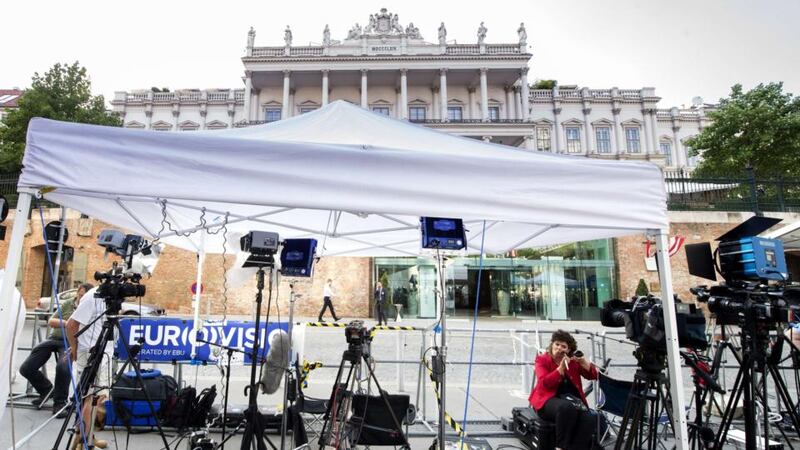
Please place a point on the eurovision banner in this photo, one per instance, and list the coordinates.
(166, 339)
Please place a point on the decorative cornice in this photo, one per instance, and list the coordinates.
(362, 58)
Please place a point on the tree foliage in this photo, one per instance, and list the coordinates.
(759, 128)
(544, 84)
(62, 93)
(641, 288)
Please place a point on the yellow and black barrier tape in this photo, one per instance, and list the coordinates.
(395, 328)
(326, 324)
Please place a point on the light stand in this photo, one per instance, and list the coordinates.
(286, 381)
(254, 431)
(442, 351)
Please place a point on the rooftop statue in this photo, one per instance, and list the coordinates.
(287, 36)
(413, 32)
(442, 34)
(523, 35)
(326, 36)
(481, 33)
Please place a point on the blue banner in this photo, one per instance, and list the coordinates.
(166, 339)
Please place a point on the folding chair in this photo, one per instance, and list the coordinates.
(309, 412)
(612, 399)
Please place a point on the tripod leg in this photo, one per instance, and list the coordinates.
(783, 393)
(327, 424)
(727, 416)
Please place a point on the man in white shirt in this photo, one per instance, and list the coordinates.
(89, 309)
(327, 295)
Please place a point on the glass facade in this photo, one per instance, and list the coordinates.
(567, 282)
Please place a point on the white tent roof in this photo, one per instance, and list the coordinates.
(355, 180)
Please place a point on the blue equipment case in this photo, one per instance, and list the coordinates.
(753, 258)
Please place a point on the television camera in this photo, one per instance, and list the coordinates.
(643, 319)
(358, 337)
(119, 282)
(755, 286)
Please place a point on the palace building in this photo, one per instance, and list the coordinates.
(480, 90)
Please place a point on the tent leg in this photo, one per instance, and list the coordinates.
(671, 328)
(201, 259)
(14, 258)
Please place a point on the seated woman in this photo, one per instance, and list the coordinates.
(559, 375)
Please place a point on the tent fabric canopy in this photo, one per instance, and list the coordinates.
(355, 180)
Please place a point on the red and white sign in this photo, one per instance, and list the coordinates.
(194, 288)
(675, 244)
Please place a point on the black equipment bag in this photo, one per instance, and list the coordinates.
(128, 388)
(181, 413)
(532, 430)
(372, 424)
(202, 406)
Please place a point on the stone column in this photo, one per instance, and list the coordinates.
(509, 109)
(364, 98)
(680, 159)
(470, 102)
(325, 86)
(517, 105)
(648, 140)
(148, 113)
(654, 128)
(176, 111)
(436, 109)
(292, 111)
(443, 94)
(587, 129)
(248, 90)
(397, 101)
(526, 94)
(404, 94)
(557, 127)
(203, 109)
(484, 95)
(286, 83)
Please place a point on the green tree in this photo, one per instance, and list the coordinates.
(759, 128)
(544, 84)
(62, 93)
(641, 289)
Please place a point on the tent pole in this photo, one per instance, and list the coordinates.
(673, 349)
(12, 263)
(201, 258)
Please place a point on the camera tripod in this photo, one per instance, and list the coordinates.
(700, 436)
(755, 342)
(334, 426)
(643, 410)
(89, 374)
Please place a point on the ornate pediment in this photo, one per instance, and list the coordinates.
(383, 24)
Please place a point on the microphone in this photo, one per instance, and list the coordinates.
(275, 363)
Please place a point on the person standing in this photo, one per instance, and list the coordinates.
(31, 367)
(327, 295)
(380, 303)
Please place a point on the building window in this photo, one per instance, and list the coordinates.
(272, 114)
(632, 139)
(454, 113)
(573, 140)
(666, 150)
(416, 113)
(383, 110)
(543, 139)
(691, 161)
(307, 109)
(494, 113)
(603, 137)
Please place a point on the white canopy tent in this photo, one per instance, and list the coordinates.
(355, 180)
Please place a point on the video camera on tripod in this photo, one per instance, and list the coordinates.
(120, 282)
(755, 277)
(643, 319)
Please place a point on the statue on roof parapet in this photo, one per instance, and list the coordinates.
(481, 33)
(523, 35)
(326, 36)
(442, 34)
(287, 36)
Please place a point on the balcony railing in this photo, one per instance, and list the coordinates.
(217, 96)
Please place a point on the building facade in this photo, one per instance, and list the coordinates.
(479, 90)
(8, 101)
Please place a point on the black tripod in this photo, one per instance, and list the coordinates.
(645, 403)
(700, 436)
(334, 426)
(256, 423)
(755, 360)
(93, 366)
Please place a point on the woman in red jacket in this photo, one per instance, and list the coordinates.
(558, 375)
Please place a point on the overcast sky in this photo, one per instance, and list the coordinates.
(683, 48)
